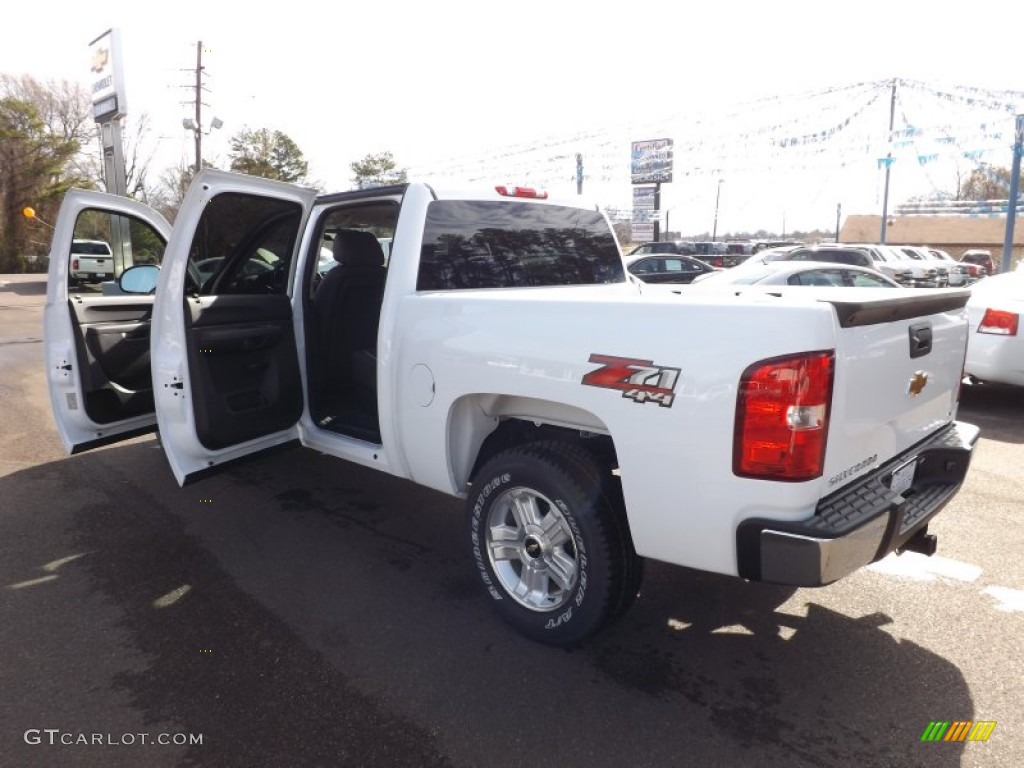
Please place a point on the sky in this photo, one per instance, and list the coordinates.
(470, 90)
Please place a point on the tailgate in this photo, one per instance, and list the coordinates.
(899, 364)
(94, 263)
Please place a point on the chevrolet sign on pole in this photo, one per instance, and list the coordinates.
(106, 83)
(106, 79)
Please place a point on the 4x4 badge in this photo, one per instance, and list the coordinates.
(639, 380)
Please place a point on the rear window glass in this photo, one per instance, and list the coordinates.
(90, 249)
(497, 244)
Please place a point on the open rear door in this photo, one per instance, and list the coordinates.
(225, 367)
(96, 336)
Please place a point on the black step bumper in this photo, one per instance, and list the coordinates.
(862, 522)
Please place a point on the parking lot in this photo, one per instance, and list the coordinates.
(337, 620)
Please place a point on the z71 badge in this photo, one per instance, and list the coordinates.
(639, 380)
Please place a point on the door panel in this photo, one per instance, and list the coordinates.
(112, 343)
(244, 367)
(97, 336)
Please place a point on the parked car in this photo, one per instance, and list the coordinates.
(714, 253)
(765, 256)
(935, 273)
(917, 272)
(858, 255)
(764, 244)
(980, 257)
(995, 346)
(92, 261)
(667, 268)
(664, 246)
(959, 274)
(799, 273)
(739, 248)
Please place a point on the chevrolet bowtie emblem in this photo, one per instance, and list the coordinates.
(99, 60)
(917, 383)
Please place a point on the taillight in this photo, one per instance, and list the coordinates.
(74, 264)
(999, 322)
(521, 192)
(782, 417)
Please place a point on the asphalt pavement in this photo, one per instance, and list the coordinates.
(296, 610)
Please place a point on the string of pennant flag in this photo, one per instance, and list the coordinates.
(825, 133)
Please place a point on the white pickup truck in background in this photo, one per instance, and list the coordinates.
(501, 355)
(91, 260)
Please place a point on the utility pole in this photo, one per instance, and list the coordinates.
(196, 124)
(888, 162)
(199, 106)
(657, 210)
(1011, 204)
(579, 174)
(718, 196)
(839, 213)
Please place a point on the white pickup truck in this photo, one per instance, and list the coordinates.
(502, 355)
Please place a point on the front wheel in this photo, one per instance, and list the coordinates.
(550, 543)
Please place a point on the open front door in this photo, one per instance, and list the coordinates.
(96, 335)
(225, 367)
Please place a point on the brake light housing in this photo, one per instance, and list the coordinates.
(782, 412)
(999, 322)
(526, 192)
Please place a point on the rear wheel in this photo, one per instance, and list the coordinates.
(550, 542)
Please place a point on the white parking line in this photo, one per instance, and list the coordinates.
(922, 568)
(1009, 599)
(919, 567)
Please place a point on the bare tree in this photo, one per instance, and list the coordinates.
(138, 157)
(171, 188)
(43, 129)
(986, 182)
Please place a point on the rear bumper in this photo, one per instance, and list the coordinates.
(862, 522)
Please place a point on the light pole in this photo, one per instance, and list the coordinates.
(888, 165)
(189, 124)
(1011, 203)
(718, 196)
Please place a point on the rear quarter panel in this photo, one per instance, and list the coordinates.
(682, 499)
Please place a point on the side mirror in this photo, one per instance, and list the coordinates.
(139, 279)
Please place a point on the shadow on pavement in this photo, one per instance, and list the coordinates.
(998, 410)
(297, 610)
(23, 285)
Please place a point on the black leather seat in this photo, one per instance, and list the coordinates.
(346, 312)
